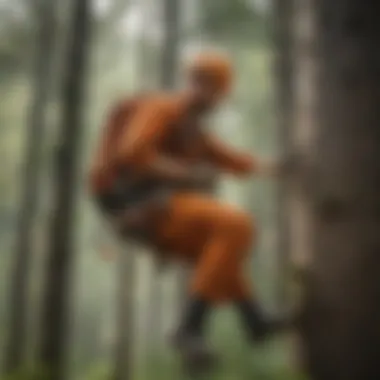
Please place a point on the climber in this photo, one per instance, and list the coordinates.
(152, 176)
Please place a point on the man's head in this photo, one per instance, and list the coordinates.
(209, 78)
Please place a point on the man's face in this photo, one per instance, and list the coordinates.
(204, 92)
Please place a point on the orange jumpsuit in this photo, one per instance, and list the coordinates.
(197, 228)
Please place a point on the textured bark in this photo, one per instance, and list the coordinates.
(17, 336)
(55, 318)
(340, 325)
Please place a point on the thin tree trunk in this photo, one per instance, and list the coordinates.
(284, 72)
(340, 325)
(17, 336)
(168, 79)
(148, 53)
(57, 287)
(302, 139)
(126, 288)
(125, 311)
(304, 121)
(170, 49)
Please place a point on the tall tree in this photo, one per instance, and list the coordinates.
(172, 21)
(303, 132)
(127, 266)
(341, 321)
(167, 80)
(36, 124)
(170, 48)
(284, 74)
(124, 311)
(67, 158)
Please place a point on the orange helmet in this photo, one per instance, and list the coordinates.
(216, 67)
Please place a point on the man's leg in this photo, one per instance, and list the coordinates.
(224, 235)
(220, 276)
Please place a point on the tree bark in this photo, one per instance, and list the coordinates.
(284, 75)
(340, 324)
(67, 158)
(36, 125)
(125, 310)
(302, 137)
(303, 132)
(168, 80)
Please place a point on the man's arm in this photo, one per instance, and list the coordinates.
(240, 163)
(228, 159)
(269, 168)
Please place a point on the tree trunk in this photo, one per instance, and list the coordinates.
(302, 137)
(170, 49)
(168, 79)
(284, 74)
(67, 158)
(125, 306)
(126, 328)
(16, 345)
(340, 325)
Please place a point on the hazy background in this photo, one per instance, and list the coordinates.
(129, 46)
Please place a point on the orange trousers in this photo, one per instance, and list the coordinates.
(215, 238)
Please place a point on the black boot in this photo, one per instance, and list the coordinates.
(259, 326)
(189, 338)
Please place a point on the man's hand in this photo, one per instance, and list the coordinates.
(283, 167)
(267, 168)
